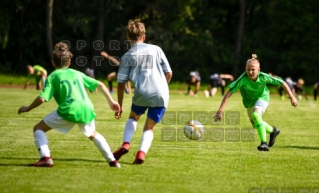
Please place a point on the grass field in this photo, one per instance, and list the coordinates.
(170, 165)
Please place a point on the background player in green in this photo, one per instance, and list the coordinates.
(253, 88)
(67, 86)
(39, 73)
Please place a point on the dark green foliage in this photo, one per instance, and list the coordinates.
(194, 34)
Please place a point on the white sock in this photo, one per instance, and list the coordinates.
(130, 128)
(43, 81)
(104, 147)
(41, 142)
(147, 139)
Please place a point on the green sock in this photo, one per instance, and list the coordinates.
(269, 129)
(259, 125)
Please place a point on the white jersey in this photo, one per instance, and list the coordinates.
(145, 65)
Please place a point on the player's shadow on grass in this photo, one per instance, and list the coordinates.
(301, 147)
(29, 160)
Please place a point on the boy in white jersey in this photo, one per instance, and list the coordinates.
(67, 86)
(253, 88)
(147, 67)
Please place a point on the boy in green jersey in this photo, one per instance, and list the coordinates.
(253, 88)
(67, 86)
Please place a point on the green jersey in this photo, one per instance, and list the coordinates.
(67, 86)
(37, 71)
(252, 91)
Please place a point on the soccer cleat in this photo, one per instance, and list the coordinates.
(115, 164)
(43, 162)
(263, 147)
(119, 153)
(273, 136)
(140, 157)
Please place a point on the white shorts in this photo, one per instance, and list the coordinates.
(54, 121)
(260, 104)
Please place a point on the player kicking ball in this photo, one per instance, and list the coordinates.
(253, 88)
(67, 86)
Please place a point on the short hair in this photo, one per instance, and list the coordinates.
(253, 59)
(135, 29)
(61, 56)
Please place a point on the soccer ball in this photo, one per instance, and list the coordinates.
(193, 130)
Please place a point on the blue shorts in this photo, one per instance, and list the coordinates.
(154, 113)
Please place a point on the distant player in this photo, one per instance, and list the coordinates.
(67, 86)
(217, 80)
(193, 79)
(291, 84)
(39, 73)
(147, 67)
(253, 88)
(90, 72)
(299, 91)
(113, 75)
(315, 90)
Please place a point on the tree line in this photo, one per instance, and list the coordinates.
(210, 36)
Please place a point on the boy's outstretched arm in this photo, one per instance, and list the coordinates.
(113, 104)
(219, 113)
(37, 102)
(293, 100)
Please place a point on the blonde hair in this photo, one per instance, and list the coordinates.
(135, 29)
(61, 56)
(253, 59)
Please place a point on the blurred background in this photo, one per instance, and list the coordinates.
(210, 36)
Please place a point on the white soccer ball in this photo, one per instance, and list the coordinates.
(193, 130)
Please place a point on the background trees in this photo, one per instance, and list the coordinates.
(205, 35)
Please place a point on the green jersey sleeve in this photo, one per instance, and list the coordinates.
(234, 86)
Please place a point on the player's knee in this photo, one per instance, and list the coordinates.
(256, 117)
(93, 135)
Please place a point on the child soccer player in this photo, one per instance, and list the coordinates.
(253, 88)
(113, 75)
(147, 67)
(192, 79)
(67, 86)
(299, 91)
(217, 80)
(39, 73)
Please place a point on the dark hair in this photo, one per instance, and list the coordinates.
(61, 56)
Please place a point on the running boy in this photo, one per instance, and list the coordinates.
(147, 67)
(253, 88)
(67, 86)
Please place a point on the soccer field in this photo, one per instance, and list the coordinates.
(173, 164)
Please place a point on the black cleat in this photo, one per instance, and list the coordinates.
(273, 136)
(263, 147)
(119, 153)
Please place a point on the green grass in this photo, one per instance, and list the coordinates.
(175, 166)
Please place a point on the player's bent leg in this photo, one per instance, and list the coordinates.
(103, 146)
(259, 125)
(129, 130)
(154, 116)
(41, 143)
